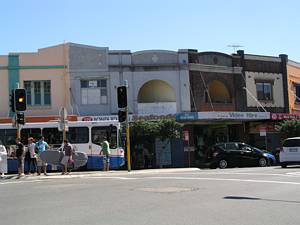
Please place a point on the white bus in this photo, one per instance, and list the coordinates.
(85, 136)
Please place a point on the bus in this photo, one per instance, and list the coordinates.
(85, 136)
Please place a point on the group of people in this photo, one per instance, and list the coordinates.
(34, 163)
(31, 156)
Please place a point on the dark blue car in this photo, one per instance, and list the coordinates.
(237, 154)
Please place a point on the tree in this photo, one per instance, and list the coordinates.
(289, 128)
(146, 131)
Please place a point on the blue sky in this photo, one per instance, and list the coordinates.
(260, 26)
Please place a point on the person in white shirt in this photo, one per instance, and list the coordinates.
(3, 160)
(32, 153)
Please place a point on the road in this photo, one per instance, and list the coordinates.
(238, 196)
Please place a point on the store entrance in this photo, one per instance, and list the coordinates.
(205, 136)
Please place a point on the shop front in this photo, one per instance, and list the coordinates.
(208, 128)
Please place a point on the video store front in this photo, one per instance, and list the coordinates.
(204, 129)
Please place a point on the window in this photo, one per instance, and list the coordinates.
(78, 135)
(232, 146)
(53, 136)
(38, 92)
(30, 132)
(264, 91)
(8, 136)
(297, 93)
(109, 132)
(94, 92)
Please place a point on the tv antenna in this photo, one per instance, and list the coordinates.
(234, 46)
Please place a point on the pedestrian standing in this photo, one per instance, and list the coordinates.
(3, 160)
(32, 166)
(68, 156)
(20, 157)
(105, 151)
(40, 147)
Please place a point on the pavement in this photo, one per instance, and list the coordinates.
(188, 196)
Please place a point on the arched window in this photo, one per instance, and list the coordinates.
(218, 92)
(156, 91)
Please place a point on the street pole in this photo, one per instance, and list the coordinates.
(127, 132)
(18, 127)
(128, 142)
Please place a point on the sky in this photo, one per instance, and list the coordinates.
(264, 27)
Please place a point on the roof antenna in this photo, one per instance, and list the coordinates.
(234, 47)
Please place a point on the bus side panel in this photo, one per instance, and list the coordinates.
(96, 162)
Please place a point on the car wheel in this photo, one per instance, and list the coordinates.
(283, 165)
(262, 162)
(223, 163)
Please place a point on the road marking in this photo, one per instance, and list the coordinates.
(226, 179)
(21, 181)
(118, 178)
(295, 174)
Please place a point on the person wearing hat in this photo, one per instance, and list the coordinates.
(32, 165)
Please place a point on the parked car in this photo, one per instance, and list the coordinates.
(233, 154)
(290, 152)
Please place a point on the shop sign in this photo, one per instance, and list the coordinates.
(285, 116)
(131, 117)
(187, 116)
(98, 118)
(93, 84)
(234, 115)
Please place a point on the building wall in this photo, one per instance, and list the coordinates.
(46, 64)
(278, 99)
(293, 71)
(136, 68)
(4, 92)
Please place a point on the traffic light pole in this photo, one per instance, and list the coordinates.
(128, 142)
(18, 127)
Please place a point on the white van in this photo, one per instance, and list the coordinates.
(290, 152)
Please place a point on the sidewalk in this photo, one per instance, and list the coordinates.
(78, 174)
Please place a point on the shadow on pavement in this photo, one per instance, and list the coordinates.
(258, 199)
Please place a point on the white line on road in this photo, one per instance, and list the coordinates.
(118, 178)
(21, 181)
(226, 179)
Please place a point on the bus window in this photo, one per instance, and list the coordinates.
(110, 132)
(30, 132)
(8, 136)
(79, 135)
(53, 136)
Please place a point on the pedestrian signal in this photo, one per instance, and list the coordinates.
(122, 116)
(20, 118)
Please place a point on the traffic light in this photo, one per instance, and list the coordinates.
(12, 101)
(20, 118)
(122, 97)
(20, 99)
(122, 116)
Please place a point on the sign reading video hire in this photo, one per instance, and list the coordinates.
(234, 115)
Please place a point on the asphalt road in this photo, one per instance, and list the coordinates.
(240, 196)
